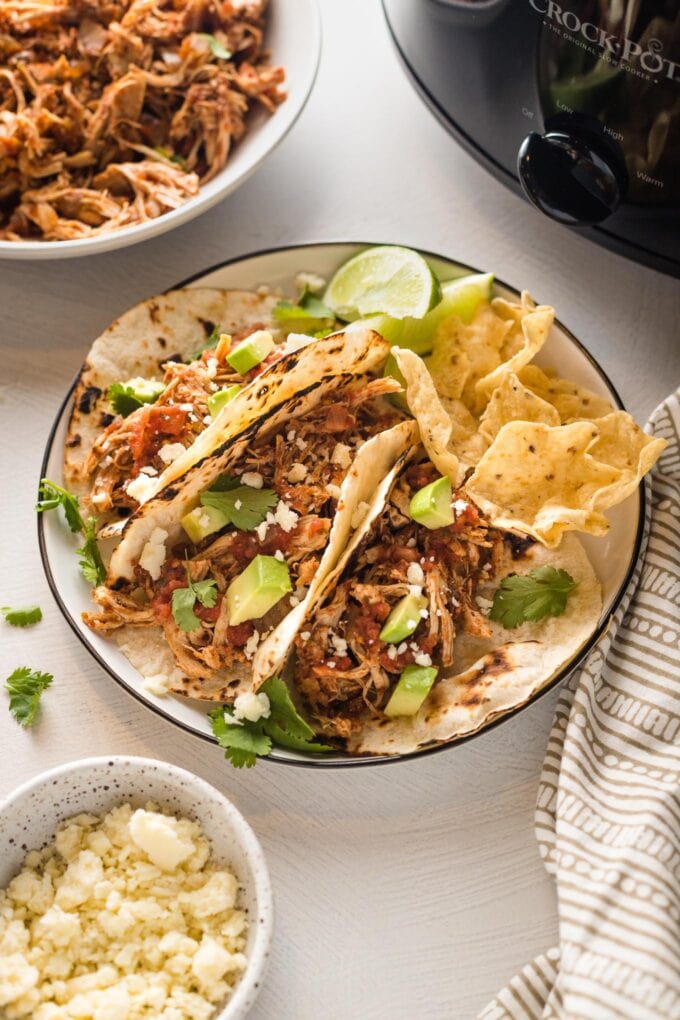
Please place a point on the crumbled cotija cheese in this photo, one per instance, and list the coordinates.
(170, 452)
(142, 488)
(121, 918)
(153, 553)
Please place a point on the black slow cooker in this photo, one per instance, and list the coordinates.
(575, 105)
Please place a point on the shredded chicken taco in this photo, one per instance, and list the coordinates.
(392, 533)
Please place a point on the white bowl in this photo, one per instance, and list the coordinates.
(613, 556)
(293, 36)
(29, 818)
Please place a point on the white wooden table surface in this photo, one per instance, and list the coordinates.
(402, 891)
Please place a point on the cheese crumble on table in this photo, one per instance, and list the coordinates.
(122, 917)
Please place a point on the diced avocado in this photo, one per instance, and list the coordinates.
(217, 401)
(431, 505)
(256, 589)
(392, 369)
(403, 619)
(203, 521)
(413, 686)
(251, 351)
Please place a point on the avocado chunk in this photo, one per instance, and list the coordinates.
(403, 619)
(217, 401)
(251, 351)
(413, 686)
(256, 589)
(203, 521)
(431, 505)
(392, 369)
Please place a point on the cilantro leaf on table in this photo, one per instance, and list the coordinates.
(217, 48)
(24, 687)
(91, 563)
(242, 505)
(22, 617)
(184, 600)
(244, 741)
(521, 597)
(52, 496)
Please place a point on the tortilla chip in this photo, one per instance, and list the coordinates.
(469, 360)
(544, 480)
(511, 401)
(438, 430)
(572, 402)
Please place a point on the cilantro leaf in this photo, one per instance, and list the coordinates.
(22, 617)
(126, 397)
(209, 345)
(521, 597)
(224, 483)
(309, 315)
(24, 687)
(217, 48)
(242, 744)
(243, 506)
(184, 600)
(53, 495)
(91, 563)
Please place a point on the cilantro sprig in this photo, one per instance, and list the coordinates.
(244, 741)
(52, 496)
(90, 559)
(22, 617)
(210, 344)
(24, 687)
(540, 593)
(184, 600)
(125, 398)
(243, 506)
(309, 315)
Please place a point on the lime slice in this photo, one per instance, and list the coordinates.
(395, 281)
(459, 297)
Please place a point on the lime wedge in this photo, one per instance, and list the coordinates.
(395, 281)
(459, 297)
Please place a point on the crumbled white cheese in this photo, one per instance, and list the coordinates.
(339, 643)
(359, 513)
(402, 648)
(278, 555)
(261, 530)
(305, 635)
(331, 663)
(207, 419)
(311, 282)
(300, 443)
(285, 517)
(333, 490)
(186, 407)
(414, 574)
(170, 452)
(149, 470)
(484, 604)
(252, 706)
(142, 488)
(211, 368)
(341, 455)
(411, 624)
(94, 927)
(251, 644)
(460, 506)
(294, 601)
(424, 613)
(297, 473)
(252, 478)
(454, 601)
(237, 504)
(290, 435)
(416, 590)
(203, 519)
(294, 341)
(156, 685)
(391, 651)
(154, 553)
(158, 836)
(423, 659)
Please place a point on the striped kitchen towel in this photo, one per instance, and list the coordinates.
(608, 811)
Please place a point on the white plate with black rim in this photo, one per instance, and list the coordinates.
(613, 556)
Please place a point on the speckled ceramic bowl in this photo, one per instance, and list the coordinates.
(30, 816)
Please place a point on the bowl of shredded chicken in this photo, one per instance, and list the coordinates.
(121, 118)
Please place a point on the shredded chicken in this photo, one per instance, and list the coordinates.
(343, 668)
(113, 112)
(350, 417)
